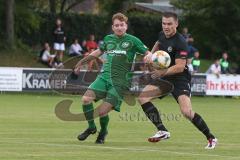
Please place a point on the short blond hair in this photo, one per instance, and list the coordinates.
(120, 17)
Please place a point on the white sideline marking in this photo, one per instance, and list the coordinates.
(134, 149)
(69, 139)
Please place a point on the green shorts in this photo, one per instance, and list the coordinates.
(109, 93)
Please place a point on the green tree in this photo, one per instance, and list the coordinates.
(61, 6)
(110, 7)
(214, 24)
(9, 23)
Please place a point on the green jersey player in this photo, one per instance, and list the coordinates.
(120, 49)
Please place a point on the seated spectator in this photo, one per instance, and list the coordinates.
(75, 49)
(215, 68)
(224, 63)
(196, 62)
(46, 57)
(84, 46)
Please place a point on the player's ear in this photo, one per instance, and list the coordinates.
(176, 23)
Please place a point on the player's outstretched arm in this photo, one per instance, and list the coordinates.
(95, 54)
(155, 47)
(177, 68)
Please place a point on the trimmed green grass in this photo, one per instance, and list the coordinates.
(19, 58)
(30, 130)
(205, 64)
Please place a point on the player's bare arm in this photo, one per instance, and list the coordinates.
(177, 68)
(155, 47)
(95, 54)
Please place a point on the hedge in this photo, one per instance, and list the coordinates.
(80, 26)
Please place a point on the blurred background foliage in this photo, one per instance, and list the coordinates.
(213, 23)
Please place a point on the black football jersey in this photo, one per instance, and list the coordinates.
(176, 47)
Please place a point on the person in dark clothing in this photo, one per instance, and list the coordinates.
(174, 43)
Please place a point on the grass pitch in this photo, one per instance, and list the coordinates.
(29, 130)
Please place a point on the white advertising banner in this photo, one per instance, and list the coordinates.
(10, 79)
(228, 85)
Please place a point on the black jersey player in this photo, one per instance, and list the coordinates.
(173, 42)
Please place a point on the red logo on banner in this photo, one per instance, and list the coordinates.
(183, 53)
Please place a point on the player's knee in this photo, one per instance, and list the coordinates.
(143, 100)
(102, 113)
(87, 99)
(187, 113)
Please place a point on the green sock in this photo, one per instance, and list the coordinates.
(104, 123)
(88, 111)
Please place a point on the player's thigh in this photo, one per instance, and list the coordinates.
(181, 87)
(182, 94)
(148, 93)
(115, 97)
(88, 97)
(98, 87)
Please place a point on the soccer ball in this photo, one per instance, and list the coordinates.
(161, 59)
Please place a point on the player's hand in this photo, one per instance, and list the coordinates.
(77, 68)
(158, 73)
(148, 58)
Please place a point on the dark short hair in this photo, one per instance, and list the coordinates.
(170, 14)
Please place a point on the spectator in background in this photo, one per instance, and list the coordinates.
(59, 40)
(46, 57)
(190, 66)
(189, 39)
(100, 42)
(215, 68)
(224, 63)
(91, 44)
(75, 49)
(84, 46)
(196, 62)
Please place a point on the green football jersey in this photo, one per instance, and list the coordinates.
(120, 53)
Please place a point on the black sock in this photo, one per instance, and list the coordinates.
(152, 113)
(202, 126)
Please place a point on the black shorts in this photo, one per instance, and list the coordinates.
(182, 86)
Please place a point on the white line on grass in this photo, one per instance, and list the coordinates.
(135, 149)
(69, 139)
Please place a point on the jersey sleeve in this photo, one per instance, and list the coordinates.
(140, 47)
(182, 50)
